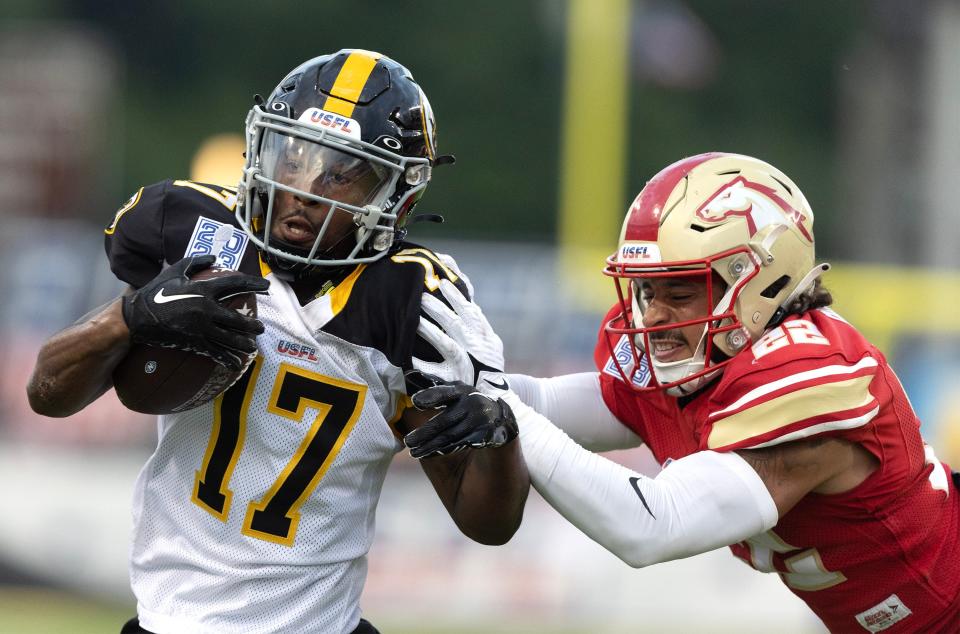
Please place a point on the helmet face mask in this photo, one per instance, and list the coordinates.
(738, 227)
(714, 321)
(334, 166)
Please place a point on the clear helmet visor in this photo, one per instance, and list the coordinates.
(323, 198)
(322, 173)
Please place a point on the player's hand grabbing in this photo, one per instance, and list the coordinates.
(174, 311)
(468, 419)
(464, 344)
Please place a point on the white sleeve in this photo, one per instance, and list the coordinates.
(698, 503)
(574, 403)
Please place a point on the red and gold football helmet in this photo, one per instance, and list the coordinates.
(735, 222)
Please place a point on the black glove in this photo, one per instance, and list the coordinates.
(174, 311)
(469, 419)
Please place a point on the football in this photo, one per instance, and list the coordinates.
(155, 380)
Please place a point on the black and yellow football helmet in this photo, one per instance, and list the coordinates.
(352, 132)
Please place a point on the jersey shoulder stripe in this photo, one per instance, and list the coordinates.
(814, 374)
(378, 304)
(824, 404)
(434, 268)
(837, 372)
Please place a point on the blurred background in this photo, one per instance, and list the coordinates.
(558, 111)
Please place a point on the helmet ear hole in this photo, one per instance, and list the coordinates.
(783, 184)
(774, 289)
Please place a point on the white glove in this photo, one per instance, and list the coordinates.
(472, 352)
(451, 264)
(455, 364)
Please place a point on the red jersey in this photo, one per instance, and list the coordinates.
(884, 556)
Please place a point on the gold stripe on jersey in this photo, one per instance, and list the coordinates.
(341, 294)
(792, 407)
(428, 260)
(808, 573)
(237, 448)
(225, 197)
(350, 81)
(265, 269)
(453, 277)
(403, 404)
(127, 206)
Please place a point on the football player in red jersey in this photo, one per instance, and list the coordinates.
(784, 433)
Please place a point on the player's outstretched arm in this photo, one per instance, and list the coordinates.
(698, 503)
(574, 403)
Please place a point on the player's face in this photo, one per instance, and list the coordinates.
(668, 300)
(321, 172)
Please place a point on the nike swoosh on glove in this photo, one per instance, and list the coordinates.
(173, 311)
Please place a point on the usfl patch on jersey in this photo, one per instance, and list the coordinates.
(220, 239)
(624, 356)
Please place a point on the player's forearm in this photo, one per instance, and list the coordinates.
(698, 503)
(74, 366)
(484, 490)
(493, 493)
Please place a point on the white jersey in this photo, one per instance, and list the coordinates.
(256, 511)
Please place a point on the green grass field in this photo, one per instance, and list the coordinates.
(44, 611)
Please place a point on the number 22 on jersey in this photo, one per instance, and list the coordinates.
(798, 331)
(274, 517)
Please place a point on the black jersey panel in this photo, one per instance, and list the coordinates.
(170, 220)
(383, 310)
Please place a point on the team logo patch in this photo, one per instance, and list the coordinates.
(883, 615)
(297, 350)
(220, 239)
(332, 121)
(624, 356)
(758, 204)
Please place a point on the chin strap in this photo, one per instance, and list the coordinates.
(400, 234)
(436, 218)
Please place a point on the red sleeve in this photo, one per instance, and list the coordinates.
(616, 395)
(601, 353)
(651, 415)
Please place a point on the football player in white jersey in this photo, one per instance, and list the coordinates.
(256, 511)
